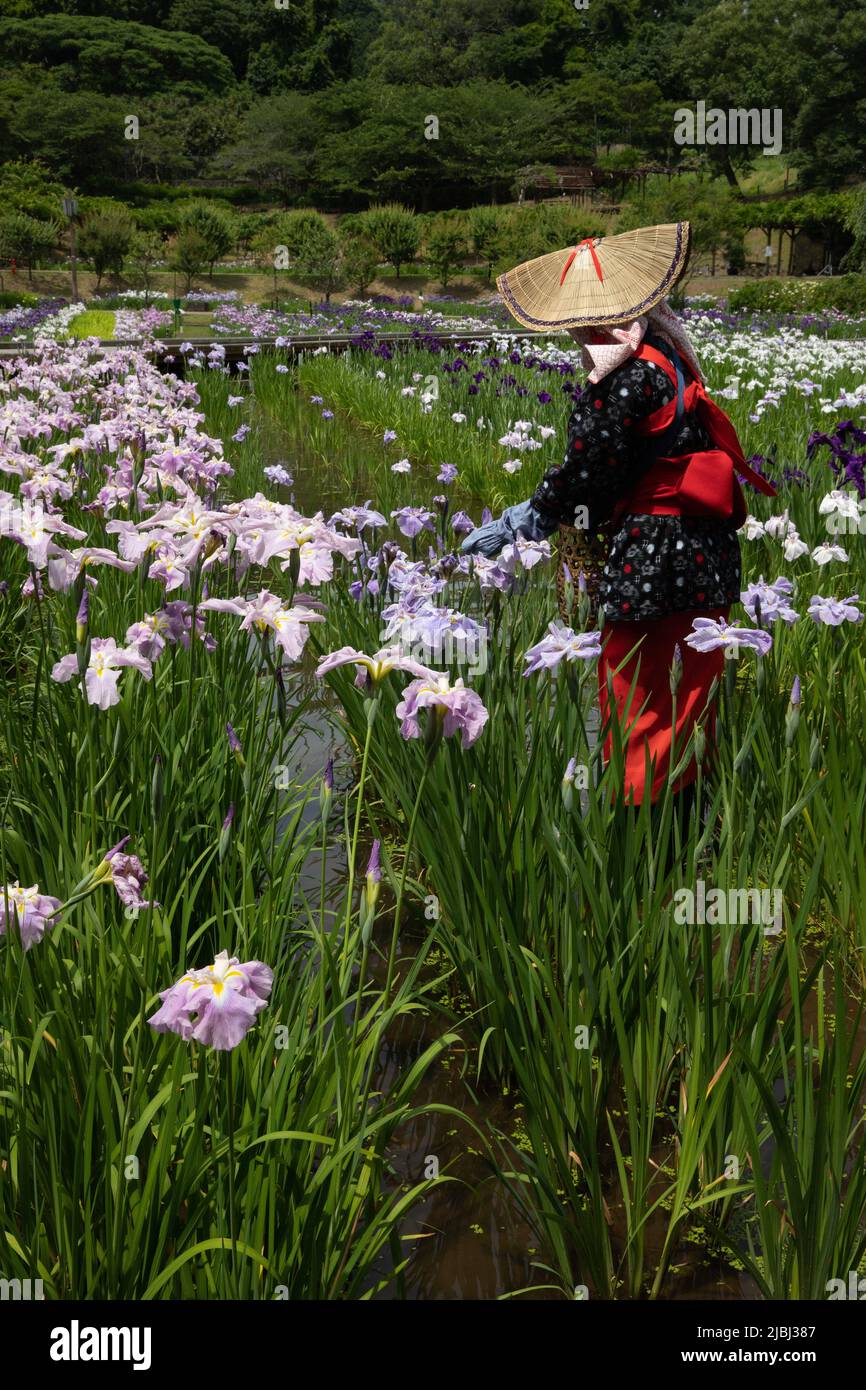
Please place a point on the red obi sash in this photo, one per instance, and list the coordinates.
(699, 484)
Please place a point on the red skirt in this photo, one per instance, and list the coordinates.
(647, 721)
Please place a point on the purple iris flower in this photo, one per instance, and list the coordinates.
(447, 473)
(216, 1006)
(412, 520)
(359, 517)
(31, 910)
(129, 877)
(277, 475)
(460, 709)
(769, 602)
(832, 612)
(372, 670)
(561, 644)
(707, 635)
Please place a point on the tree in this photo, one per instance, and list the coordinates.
(27, 186)
(104, 240)
(77, 135)
(395, 231)
(27, 239)
(295, 230)
(446, 245)
(146, 251)
(319, 260)
(88, 52)
(361, 262)
(189, 255)
(486, 227)
(856, 224)
(277, 146)
(214, 226)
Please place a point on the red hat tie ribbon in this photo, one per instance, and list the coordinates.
(587, 241)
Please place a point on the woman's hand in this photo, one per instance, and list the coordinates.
(519, 520)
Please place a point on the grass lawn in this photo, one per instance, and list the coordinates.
(93, 323)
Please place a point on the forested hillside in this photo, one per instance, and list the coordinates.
(328, 101)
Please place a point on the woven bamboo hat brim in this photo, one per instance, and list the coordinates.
(603, 280)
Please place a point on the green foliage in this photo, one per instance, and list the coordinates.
(88, 53)
(190, 253)
(360, 260)
(27, 239)
(214, 225)
(845, 293)
(329, 100)
(486, 226)
(445, 241)
(395, 231)
(93, 323)
(26, 185)
(146, 251)
(318, 261)
(104, 240)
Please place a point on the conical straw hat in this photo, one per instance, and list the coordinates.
(603, 280)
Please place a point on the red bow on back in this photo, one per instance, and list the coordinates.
(587, 241)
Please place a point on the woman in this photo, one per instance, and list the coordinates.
(654, 461)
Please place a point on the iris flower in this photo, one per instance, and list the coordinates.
(460, 709)
(561, 644)
(216, 1006)
(31, 909)
(372, 670)
(832, 612)
(103, 669)
(707, 635)
(266, 612)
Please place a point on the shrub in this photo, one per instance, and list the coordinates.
(105, 239)
(395, 231)
(773, 295)
(845, 293)
(215, 227)
(189, 254)
(446, 245)
(361, 261)
(26, 239)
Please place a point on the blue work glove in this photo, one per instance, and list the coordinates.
(520, 520)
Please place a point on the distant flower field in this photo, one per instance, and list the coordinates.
(214, 949)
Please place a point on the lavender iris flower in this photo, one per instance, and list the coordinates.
(277, 475)
(459, 708)
(832, 612)
(372, 670)
(359, 517)
(31, 910)
(561, 644)
(707, 635)
(103, 670)
(216, 1006)
(770, 600)
(129, 877)
(413, 520)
